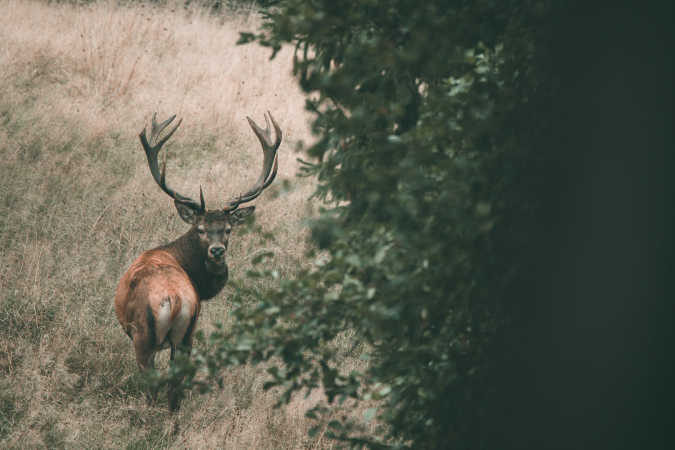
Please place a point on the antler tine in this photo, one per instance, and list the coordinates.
(201, 198)
(270, 163)
(152, 149)
(264, 136)
(156, 130)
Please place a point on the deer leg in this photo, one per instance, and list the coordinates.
(145, 357)
(175, 391)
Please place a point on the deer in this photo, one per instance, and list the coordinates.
(158, 299)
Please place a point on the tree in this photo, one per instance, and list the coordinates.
(428, 117)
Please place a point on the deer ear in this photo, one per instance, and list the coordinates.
(240, 215)
(185, 212)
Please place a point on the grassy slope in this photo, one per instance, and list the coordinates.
(77, 205)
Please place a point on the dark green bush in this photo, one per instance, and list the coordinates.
(428, 117)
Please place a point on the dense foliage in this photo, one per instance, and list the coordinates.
(428, 117)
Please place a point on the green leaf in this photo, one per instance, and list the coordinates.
(260, 256)
(245, 38)
(483, 208)
(335, 424)
(353, 260)
(244, 343)
(380, 254)
(331, 296)
(313, 431)
(369, 414)
(272, 310)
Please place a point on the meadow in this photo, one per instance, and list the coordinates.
(78, 204)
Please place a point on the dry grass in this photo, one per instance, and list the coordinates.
(77, 205)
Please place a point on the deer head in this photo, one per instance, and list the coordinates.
(212, 227)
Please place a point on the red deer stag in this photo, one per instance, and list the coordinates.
(158, 299)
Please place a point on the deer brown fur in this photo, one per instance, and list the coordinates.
(158, 298)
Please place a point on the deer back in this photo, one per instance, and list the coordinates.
(156, 300)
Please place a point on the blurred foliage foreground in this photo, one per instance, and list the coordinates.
(428, 117)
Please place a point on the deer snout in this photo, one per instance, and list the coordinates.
(217, 251)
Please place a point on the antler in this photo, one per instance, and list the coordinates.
(151, 151)
(270, 163)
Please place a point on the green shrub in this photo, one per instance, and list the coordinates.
(427, 117)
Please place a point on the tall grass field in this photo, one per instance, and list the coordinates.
(78, 205)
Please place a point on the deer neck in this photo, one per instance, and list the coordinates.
(190, 256)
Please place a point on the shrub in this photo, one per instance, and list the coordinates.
(427, 117)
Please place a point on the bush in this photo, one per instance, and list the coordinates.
(427, 117)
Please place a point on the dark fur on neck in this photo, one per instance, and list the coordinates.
(192, 258)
